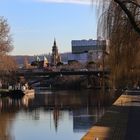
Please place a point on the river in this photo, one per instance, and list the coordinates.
(52, 115)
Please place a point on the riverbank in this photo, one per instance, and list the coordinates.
(117, 122)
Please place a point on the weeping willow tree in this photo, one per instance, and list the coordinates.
(119, 23)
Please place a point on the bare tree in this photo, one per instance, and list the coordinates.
(125, 7)
(125, 4)
(120, 24)
(5, 37)
(7, 63)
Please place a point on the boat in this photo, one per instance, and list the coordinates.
(17, 91)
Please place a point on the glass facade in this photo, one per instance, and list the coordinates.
(83, 46)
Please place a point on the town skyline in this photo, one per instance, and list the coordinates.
(35, 23)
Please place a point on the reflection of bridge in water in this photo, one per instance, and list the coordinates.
(69, 101)
(60, 99)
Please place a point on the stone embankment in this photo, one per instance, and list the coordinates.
(115, 122)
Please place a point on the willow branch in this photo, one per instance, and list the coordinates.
(129, 15)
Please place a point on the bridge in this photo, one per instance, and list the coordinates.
(55, 73)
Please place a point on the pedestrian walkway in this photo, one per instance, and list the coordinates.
(120, 122)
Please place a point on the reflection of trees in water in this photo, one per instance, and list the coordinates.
(8, 109)
(71, 100)
(87, 104)
(5, 125)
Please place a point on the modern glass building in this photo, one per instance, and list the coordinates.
(84, 46)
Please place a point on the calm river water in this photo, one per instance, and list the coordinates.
(52, 115)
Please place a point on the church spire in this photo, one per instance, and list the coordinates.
(54, 42)
(55, 55)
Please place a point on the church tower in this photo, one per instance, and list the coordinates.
(55, 55)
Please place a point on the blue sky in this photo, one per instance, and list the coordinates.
(35, 23)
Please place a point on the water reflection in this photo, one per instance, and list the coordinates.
(57, 115)
(8, 109)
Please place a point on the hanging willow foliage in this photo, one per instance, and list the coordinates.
(116, 26)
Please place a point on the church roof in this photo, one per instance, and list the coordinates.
(54, 44)
(45, 59)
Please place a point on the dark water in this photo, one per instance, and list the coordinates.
(55, 115)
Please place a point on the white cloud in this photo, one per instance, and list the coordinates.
(85, 2)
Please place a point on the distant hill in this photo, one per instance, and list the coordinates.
(20, 58)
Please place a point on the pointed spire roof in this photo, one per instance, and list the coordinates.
(54, 42)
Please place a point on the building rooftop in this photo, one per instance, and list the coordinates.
(89, 42)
